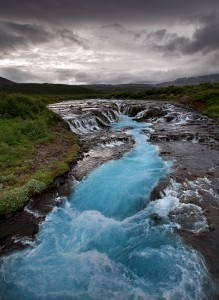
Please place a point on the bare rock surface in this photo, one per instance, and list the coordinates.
(190, 141)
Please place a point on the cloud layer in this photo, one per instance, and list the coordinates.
(72, 41)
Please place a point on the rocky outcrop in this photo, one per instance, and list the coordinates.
(132, 108)
(150, 113)
(189, 141)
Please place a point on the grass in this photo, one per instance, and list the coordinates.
(35, 147)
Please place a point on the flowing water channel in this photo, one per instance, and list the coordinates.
(105, 240)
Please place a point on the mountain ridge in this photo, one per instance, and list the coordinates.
(195, 80)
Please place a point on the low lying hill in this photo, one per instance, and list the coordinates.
(5, 81)
(109, 88)
(64, 89)
(191, 80)
(46, 89)
(94, 90)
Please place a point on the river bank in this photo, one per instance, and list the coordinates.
(18, 229)
(184, 137)
(190, 141)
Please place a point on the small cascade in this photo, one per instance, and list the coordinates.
(132, 109)
(110, 115)
(83, 124)
(92, 121)
(86, 117)
(141, 114)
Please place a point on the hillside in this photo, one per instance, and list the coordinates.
(191, 80)
(5, 81)
(46, 89)
(131, 87)
(97, 89)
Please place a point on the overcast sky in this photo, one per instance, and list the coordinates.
(114, 41)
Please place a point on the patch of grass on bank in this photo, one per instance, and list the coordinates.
(35, 147)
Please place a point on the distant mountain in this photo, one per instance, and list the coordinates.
(5, 81)
(191, 80)
(65, 89)
(129, 87)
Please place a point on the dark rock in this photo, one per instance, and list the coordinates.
(169, 118)
(152, 113)
(132, 110)
(156, 218)
(158, 190)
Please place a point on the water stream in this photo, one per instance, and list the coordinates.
(103, 241)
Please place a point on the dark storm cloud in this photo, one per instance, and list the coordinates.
(94, 10)
(158, 34)
(205, 38)
(107, 41)
(68, 35)
(16, 35)
(119, 28)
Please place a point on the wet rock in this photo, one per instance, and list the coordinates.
(190, 140)
(150, 113)
(132, 109)
(156, 218)
(159, 190)
(101, 147)
(169, 118)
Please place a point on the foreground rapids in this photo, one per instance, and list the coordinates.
(107, 240)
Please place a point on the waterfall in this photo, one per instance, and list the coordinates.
(91, 121)
(86, 117)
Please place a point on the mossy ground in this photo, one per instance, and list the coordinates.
(35, 147)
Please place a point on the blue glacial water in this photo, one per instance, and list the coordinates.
(102, 243)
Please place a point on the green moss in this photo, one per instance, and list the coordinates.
(13, 199)
(47, 175)
(17, 197)
(26, 124)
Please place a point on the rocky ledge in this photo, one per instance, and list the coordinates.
(190, 141)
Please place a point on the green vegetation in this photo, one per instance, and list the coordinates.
(46, 89)
(73, 90)
(35, 147)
